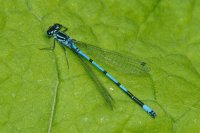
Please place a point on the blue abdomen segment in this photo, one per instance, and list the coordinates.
(94, 63)
(149, 110)
(84, 55)
(111, 77)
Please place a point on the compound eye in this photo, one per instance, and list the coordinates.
(57, 26)
(48, 33)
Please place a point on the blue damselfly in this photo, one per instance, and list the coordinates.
(64, 40)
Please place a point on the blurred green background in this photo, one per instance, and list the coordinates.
(164, 33)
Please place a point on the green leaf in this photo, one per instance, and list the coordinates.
(165, 34)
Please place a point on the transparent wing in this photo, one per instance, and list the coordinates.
(100, 87)
(125, 64)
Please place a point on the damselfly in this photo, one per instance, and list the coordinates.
(64, 40)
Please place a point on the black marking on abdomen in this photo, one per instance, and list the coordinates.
(91, 60)
(118, 84)
(135, 98)
(105, 72)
